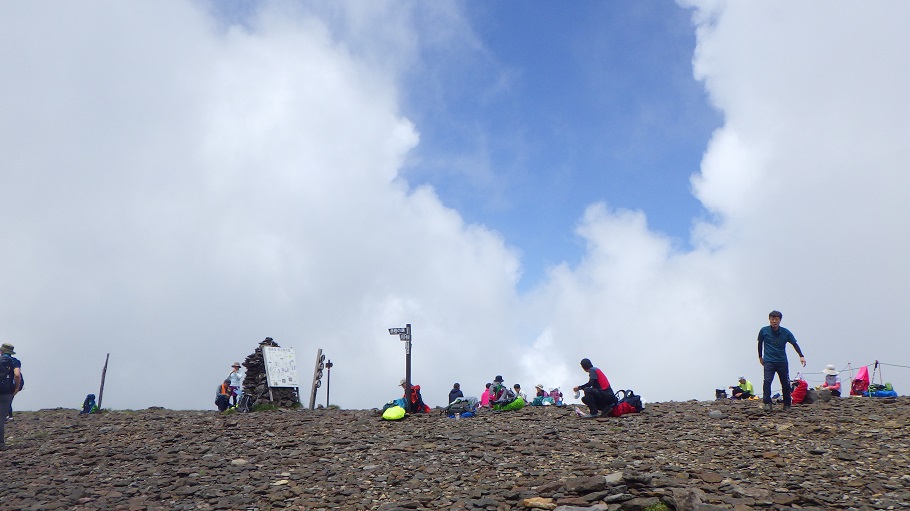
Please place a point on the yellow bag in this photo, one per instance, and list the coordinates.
(393, 413)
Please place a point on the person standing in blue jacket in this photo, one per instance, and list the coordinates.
(10, 385)
(772, 355)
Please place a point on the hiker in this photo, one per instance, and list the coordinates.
(599, 394)
(518, 393)
(499, 393)
(503, 398)
(88, 405)
(744, 390)
(832, 382)
(540, 391)
(485, 397)
(236, 380)
(10, 385)
(772, 355)
(557, 397)
(455, 393)
(223, 396)
(415, 400)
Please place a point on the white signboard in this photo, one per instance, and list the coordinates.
(280, 367)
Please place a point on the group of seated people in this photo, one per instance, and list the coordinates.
(497, 395)
(799, 387)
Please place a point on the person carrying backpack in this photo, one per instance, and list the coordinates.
(415, 400)
(10, 385)
(599, 394)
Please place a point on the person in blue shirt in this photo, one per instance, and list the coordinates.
(11, 369)
(772, 355)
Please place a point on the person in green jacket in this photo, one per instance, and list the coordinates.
(744, 390)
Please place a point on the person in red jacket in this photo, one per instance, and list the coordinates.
(599, 394)
(415, 400)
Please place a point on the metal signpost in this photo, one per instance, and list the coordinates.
(328, 381)
(317, 377)
(405, 335)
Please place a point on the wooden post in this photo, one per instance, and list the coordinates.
(103, 374)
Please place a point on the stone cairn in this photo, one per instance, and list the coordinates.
(256, 384)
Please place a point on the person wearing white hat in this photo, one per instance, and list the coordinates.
(236, 379)
(832, 382)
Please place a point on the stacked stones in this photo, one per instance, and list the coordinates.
(256, 384)
(849, 454)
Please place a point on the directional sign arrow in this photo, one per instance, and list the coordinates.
(397, 331)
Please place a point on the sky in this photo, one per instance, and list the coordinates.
(638, 183)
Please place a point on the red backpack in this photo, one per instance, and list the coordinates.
(629, 403)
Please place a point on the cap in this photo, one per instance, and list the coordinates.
(538, 386)
(498, 379)
(235, 364)
(403, 382)
(8, 348)
(829, 369)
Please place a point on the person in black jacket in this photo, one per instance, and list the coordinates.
(455, 393)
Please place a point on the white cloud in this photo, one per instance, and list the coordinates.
(173, 200)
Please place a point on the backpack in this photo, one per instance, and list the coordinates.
(393, 413)
(7, 378)
(245, 404)
(630, 402)
(459, 406)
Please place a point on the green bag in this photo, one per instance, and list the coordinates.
(517, 404)
(393, 413)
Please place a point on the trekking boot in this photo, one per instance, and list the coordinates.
(786, 408)
(767, 407)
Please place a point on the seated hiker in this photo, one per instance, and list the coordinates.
(556, 395)
(502, 397)
(599, 394)
(223, 396)
(88, 406)
(744, 390)
(485, 397)
(800, 388)
(455, 393)
(832, 382)
(518, 393)
(861, 384)
(541, 397)
(414, 400)
(499, 393)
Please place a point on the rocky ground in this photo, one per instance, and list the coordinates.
(848, 454)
